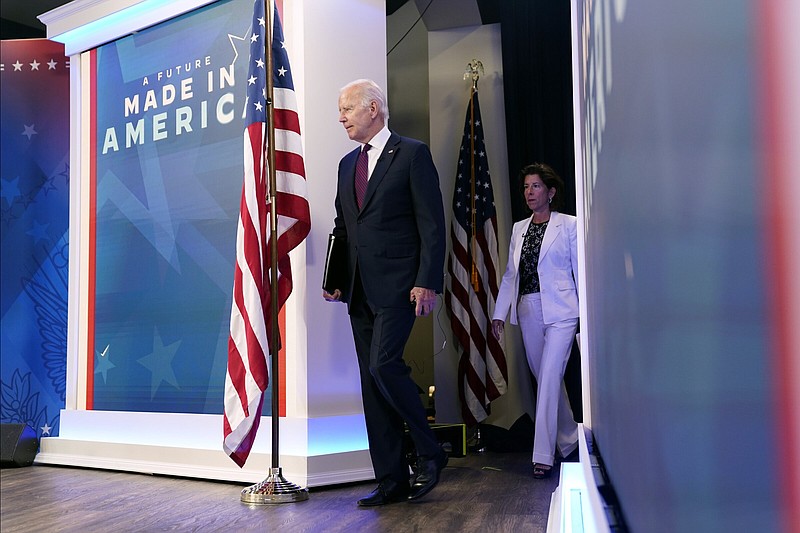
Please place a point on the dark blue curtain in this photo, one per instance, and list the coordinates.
(537, 72)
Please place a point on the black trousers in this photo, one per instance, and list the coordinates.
(389, 394)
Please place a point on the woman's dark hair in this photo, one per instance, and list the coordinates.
(549, 178)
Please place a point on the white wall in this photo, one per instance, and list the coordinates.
(327, 60)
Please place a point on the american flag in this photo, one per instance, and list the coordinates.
(472, 269)
(251, 320)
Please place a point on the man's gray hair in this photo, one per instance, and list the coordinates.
(367, 91)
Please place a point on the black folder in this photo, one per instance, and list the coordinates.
(335, 274)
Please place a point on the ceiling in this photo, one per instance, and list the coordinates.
(443, 14)
(25, 11)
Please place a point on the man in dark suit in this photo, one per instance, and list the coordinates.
(389, 209)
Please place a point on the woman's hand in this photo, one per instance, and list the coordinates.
(498, 326)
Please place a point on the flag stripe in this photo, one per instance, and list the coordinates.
(251, 310)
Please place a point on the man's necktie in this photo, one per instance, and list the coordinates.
(362, 168)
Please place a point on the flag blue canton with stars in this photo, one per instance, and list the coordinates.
(256, 79)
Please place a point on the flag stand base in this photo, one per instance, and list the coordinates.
(274, 489)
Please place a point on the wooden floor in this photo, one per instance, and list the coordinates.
(488, 491)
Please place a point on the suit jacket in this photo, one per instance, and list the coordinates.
(557, 268)
(397, 238)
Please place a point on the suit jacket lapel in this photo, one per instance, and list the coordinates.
(520, 238)
(550, 234)
(384, 161)
(348, 177)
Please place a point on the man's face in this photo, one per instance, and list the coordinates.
(359, 121)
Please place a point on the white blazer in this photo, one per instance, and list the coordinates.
(557, 268)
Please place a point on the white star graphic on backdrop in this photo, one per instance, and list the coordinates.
(17, 65)
(45, 429)
(159, 363)
(51, 65)
(35, 65)
(231, 38)
(29, 131)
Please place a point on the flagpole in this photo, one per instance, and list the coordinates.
(474, 269)
(275, 338)
(474, 70)
(275, 488)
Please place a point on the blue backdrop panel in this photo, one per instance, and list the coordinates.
(169, 171)
(34, 206)
(683, 406)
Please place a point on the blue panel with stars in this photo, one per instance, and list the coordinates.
(34, 218)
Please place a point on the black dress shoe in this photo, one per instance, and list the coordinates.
(427, 475)
(388, 491)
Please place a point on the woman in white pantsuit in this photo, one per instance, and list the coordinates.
(540, 291)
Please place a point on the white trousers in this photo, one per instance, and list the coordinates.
(547, 347)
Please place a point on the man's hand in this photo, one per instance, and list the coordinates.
(335, 297)
(425, 300)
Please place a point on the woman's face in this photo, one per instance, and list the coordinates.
(536, 193)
